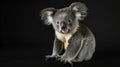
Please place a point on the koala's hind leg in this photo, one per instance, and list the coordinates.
(91, 49)
(83, 52)
(57, 49)
(86, 51)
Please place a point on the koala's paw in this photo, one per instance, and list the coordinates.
(51, 56)
(65, 60)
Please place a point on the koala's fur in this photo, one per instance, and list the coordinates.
(74, 42)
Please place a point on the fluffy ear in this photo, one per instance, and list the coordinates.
(47, 15)
(79, 9)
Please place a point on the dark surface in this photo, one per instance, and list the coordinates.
(25, 40)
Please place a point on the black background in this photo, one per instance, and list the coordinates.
(25, 40)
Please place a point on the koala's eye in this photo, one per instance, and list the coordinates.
(57, 22)
(83, 12)
(69, 20)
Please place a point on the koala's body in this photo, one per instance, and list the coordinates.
(74, 42)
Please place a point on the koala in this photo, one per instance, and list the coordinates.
(74, 41)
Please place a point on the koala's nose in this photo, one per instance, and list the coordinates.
(63, 25)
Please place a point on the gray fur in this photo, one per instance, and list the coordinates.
(70, 32)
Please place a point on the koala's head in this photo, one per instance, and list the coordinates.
(66, 19)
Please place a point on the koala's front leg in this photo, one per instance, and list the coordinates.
(57, 48)
(71, 51)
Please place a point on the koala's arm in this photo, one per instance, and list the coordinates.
(57, 48)
(73, 49)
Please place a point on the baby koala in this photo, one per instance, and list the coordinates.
(74, 42)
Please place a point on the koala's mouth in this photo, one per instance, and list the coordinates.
(64, 31)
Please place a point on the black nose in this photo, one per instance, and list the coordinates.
(63, 25)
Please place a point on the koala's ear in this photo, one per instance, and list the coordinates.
(47, 15)
(79, 9)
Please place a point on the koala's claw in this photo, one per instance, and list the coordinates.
(51, 56)
(65, 60)
(48, 57)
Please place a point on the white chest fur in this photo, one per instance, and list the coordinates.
(64, 38)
